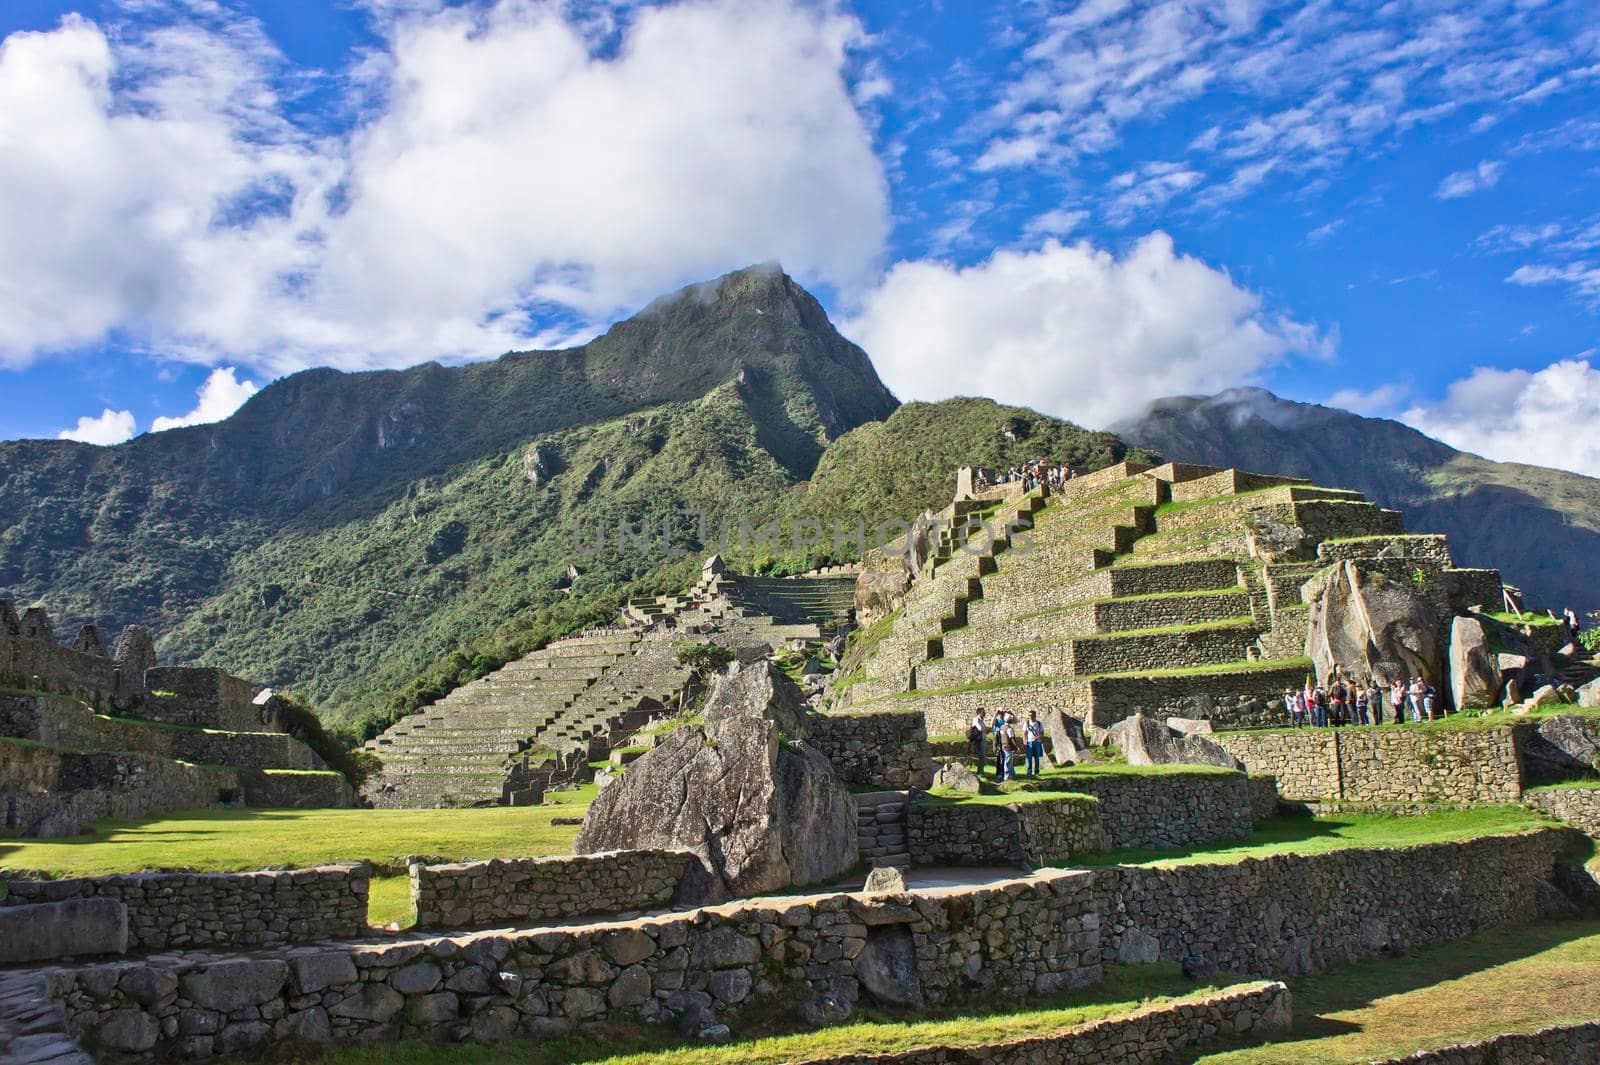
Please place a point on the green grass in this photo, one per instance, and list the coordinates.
(1503, 980)
(1529, 618)
(942, 797)
(1463, 721)
(1242, 622)
(234, 840)
(1318, 835)
(763, 1041)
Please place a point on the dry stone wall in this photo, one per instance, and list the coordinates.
(200, 695)
(42, 664)
(45, 792)
(1142, 1038)
(61, 721)
(1028, 833)
(1035, 936)
(295, 789)
(876, 750)
(1387, 765)
(172, 910)
(1578, 807)
(1569, 1044)
(474, 894)
(1291, 914)
(1164, 810)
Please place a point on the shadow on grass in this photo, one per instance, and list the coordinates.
(1361, 984)
(1277, 830)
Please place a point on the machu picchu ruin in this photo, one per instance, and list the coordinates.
(1026, 745)
(88, 734)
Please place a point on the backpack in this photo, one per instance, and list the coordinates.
(974, 734)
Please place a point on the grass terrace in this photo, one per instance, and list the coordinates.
(236, 840)
(1318, 835)
(1462, 721)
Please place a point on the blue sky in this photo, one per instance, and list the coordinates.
(1079, 206)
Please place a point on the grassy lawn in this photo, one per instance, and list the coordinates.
(1314, 835)
(1125, 988)
(1503, 980)
(232, 840)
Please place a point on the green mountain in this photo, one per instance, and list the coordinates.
(369, 539)
(1540, 526)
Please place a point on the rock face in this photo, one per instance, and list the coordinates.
(743, 792)
(880, 586)
(1147, 741)
(1474, 671)
(1371, 625)
(956, 777)
(1563, 747)
(1066, 737)
(1589, 694)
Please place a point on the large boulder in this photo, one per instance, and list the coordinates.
(1066, 737)
(1589, 694)
(1474, 671)
(1146, 741)
(743, 792)
(1562, 747)
(1368, 623)
(881, 585)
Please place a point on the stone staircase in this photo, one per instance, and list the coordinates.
(777, 610)
(881, 828)
(456, 751)
(1174, 589)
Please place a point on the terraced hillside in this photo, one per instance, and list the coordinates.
(1175, 590)
(543, 718)
(457, 751)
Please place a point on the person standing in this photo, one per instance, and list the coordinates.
(1033, 739)
(999, 744)
(1009, 745)
(977, 732)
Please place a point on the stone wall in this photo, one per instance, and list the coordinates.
(1567, 1044)
(200, 695)
(1143, 1037)
(1170, 809)
(1292, 914)
(1263, 796)
(295, 789)
(1033, 832)
(1382, 764)
(172, 910)
(876, 750)
(1578, 807)
(473, 894)
(44, 665)
(46, 792)
(61, 721)
(1009, 939)
(1435, 547)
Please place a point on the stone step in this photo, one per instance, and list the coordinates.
(1109, 616)
(1205, 645)
(1119, 582)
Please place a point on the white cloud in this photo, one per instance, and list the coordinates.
(507, 158)
(1537, 417)
(1486, 175)
(1381, 400)
(1324, 231)
(111, 427)
(1055, 223)
(1583, 278)
(1315, 83)
(218, 396)
(1072, 330)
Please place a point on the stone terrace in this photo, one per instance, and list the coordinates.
(456, 752)
(1175, 590)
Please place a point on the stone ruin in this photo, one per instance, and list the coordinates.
(1163, 629)
(82, 763)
